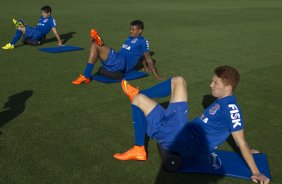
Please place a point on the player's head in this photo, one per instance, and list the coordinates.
(136, 28)
(224, 81)
(46, 11)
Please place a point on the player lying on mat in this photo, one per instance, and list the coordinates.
(134, 47)
(37, 35)
(171, 127)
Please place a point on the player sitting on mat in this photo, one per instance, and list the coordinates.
(35, 36)
(134, 47)
(171, 128)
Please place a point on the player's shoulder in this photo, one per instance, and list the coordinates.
(228, 102)
(143, 39)
(51, 18)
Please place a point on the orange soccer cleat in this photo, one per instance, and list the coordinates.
(135, 153)
(95, 36)
(129, 90)
(81, 79)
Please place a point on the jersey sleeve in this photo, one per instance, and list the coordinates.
(53, 23)
(145, 46)
(233, 117)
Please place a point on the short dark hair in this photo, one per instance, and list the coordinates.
(229, 75)
(46, 9)
(138, 23)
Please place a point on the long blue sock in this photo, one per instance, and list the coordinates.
(88, 70)
(139, 124)
(160, 90)
(16, 37)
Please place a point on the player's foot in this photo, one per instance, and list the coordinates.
(81, 79)
(95, 36)
(129, 90)
(135, 153)
(8, 46)
(18, 23)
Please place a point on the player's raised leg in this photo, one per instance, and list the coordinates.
(141, 106)
(97, 50)
(20, 26)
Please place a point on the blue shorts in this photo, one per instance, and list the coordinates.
(115, 62)
(169, 128)
(33, 34)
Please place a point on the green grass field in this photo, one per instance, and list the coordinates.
(55, 132)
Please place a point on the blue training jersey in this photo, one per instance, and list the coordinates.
(132, 50)
(45, 24)
(218, 121)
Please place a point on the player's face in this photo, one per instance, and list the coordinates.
(45, 14)
(135, 31)
(218, 88)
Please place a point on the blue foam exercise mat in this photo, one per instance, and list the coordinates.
(59, 49)
(127, 76)
(225, 163)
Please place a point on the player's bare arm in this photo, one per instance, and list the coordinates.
(239, 138)
(54, 29)
(151, 65)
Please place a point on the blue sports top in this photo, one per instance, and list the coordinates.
(45, 24)
(132, 50)
(217, 122)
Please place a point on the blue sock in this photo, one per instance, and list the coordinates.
(16, 37)
(88, 70)
(160, 90)
(139, 124)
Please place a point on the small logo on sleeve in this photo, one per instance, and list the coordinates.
(235, 115)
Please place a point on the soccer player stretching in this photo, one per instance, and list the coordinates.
(134, 47)
(171, 127)
(35, 36)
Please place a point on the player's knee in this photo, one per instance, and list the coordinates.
(178, 81)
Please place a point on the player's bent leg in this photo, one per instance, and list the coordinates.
(178, 90)
(97, 51)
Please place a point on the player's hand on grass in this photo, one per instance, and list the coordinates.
(260, 178)
(160, 77)
(60, 44)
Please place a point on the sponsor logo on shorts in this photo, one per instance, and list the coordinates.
(235, 115)
(215, 161)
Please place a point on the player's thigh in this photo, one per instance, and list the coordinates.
(103, 52)
(178, 90)
(144, 103)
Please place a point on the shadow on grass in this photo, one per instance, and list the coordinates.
(14, 106)
(64, 37)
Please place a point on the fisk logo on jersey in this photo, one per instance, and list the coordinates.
(127, 47)
(235, 115)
